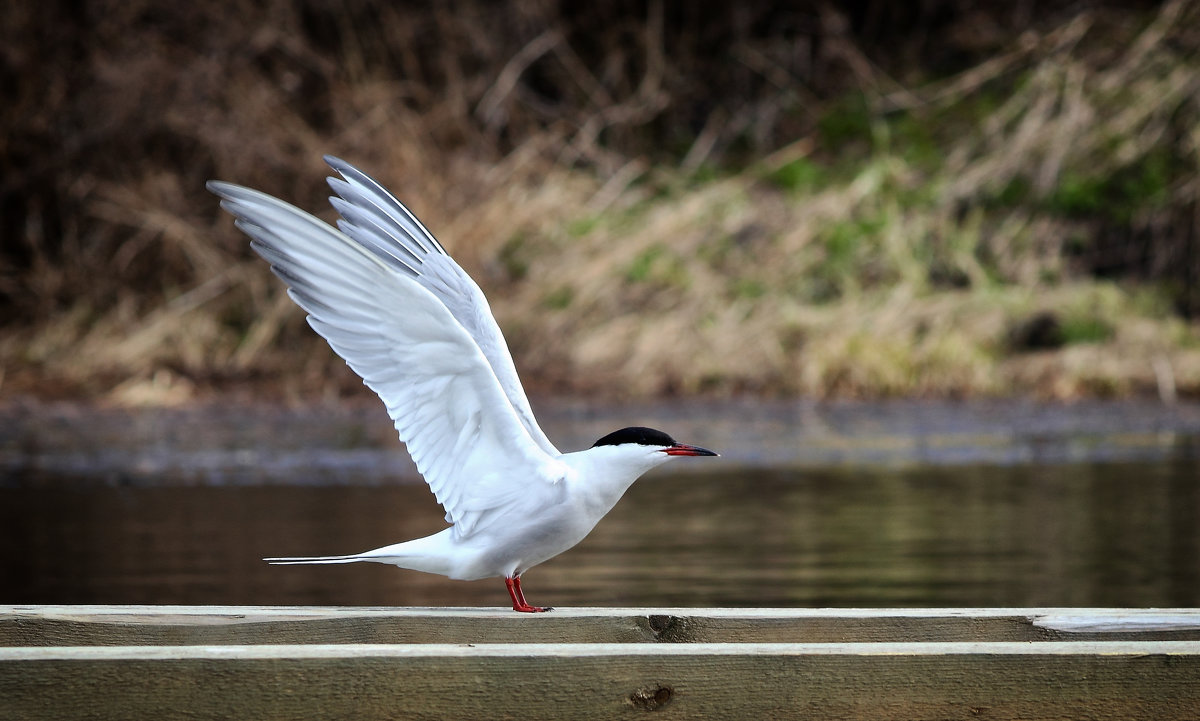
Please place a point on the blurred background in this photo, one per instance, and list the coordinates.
(865, 246)
(827, 199)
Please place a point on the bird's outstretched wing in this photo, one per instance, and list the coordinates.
(375, 218)
(440, 390)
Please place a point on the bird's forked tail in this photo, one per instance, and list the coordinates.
(297, 560)
(427, 554)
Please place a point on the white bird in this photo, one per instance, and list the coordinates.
(420, 333)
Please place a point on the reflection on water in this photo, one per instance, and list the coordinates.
(1059, 535)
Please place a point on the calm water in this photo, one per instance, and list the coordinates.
(1067, 534)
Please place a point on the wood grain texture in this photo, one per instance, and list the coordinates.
(180, 625)
(192, 662)
(997, 680)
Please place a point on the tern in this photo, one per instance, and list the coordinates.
(410, 321)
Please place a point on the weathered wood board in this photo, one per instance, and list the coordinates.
(184, 625)
(996, 680)
(144, 662)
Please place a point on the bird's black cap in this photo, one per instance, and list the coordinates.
(636, 434)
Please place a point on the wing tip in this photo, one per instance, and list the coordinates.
(337, 164)
(222, 189)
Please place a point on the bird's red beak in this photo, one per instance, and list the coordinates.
(682, 449)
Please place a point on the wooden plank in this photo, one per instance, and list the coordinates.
(1122, 621)
(998, 680)
(176, 625)
(221, 625)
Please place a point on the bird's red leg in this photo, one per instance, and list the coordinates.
(517, 589)
(518, 598)
(521, 598)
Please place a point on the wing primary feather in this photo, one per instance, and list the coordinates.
(398, 217)
(255, 211)
(381, 227)
(408, 266)
(349, 172)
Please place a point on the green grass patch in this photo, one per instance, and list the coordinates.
(846, 121)
(513, 257)
(582, 226)
(1085, 329)
(657, 266)
(799, 175)
(1115, 196)
(642, 267)
(560, 298)
(749, 288)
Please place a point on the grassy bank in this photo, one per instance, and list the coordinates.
(1011, 209)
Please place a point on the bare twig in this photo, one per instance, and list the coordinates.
(488, 108)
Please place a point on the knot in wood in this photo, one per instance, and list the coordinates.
(651, 698)
(660, 623)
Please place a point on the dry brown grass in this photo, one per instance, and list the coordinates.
(628, 221)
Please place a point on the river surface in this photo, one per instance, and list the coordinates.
(894, 507)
